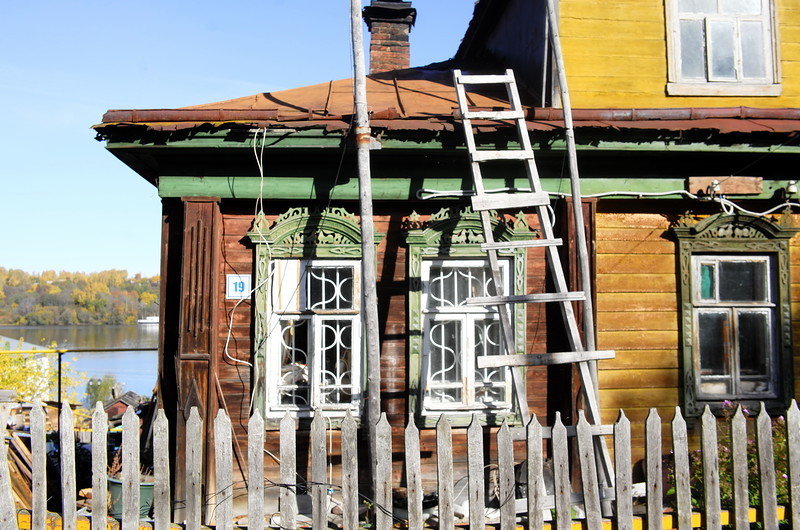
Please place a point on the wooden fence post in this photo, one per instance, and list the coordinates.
(67, 439)
(130, 470)
(536, 489)
(223, 460)
(162, 507)
(680, 451)
(444, 465)
(741, 498)
(655, 486)
(766, 470)
(413, 476)
(477, 500)
(710, 471)
(288, 495)
(622, 464)
(194, 469)
(99, 467)
(8, 513)
(39, 467)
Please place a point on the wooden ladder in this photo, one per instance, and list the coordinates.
(485, 201)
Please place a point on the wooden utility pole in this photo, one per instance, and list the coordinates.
(369, 298)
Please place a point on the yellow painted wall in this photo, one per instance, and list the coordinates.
(616, 56)
(637, 316)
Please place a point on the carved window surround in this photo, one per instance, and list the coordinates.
(723, 235)
(454, 233)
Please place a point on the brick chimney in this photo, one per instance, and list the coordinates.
(389, 23)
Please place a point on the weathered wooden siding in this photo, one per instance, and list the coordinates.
(616, 56)
(234, 379)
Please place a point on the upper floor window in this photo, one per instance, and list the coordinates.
(722, 47)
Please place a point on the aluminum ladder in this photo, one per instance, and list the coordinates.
(485, 202)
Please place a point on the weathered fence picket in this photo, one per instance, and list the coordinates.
(288, 495)
(413, 476)
(655, 486)
(561, 485)
(130, 470)
(162, 507)
(255, 472)
(475, 485)
(505, 468)
(194, 466)
(99, 467)
(708, 435)
(739, 463)
(349, 474)
(680, 451)
(383, 475)
(536, 487)
(766, 470)
(565, 503)
(622, 470)
(67, 459)
(39, 467)
(444, 466)
(223, 462)
(793, 441)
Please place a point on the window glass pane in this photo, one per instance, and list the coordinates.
(293, 386)
(330, 288)
(740, 7)
(714, 342)
(698, 6)
(336, 348)
(722, 49)
(490, 383)
(707, 282)
(742, 281)
(693, 49)
(753, 62)
(444, 362)
(451, 285)
(754, 343)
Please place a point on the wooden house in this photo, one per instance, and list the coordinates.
(261, 241)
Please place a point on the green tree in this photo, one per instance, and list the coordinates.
(102, 389)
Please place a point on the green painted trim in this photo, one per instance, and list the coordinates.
(405, 188)
(457, 233)
(722, 234)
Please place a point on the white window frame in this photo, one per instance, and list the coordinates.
(679, 85)
(733, 310)
(279, 310)
(467, 316)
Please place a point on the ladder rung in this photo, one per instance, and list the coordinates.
(518, 154)
(494, 115)
(571, 296)
(531, 243)
(484, 79)
(500, 201)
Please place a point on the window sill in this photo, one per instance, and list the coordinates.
(723, 89)
(463, 418)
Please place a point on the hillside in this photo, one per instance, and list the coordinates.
(69, 298)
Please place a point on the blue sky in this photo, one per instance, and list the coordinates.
(66, 203)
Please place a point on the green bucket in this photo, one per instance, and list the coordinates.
(145, 498)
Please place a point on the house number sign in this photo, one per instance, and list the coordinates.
(238, 286)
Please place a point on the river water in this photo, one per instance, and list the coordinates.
(135, 369)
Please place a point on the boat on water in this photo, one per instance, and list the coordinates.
(148, 320)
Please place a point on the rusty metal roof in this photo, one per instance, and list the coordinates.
(423, 99)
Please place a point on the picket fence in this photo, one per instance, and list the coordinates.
(590, 493)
